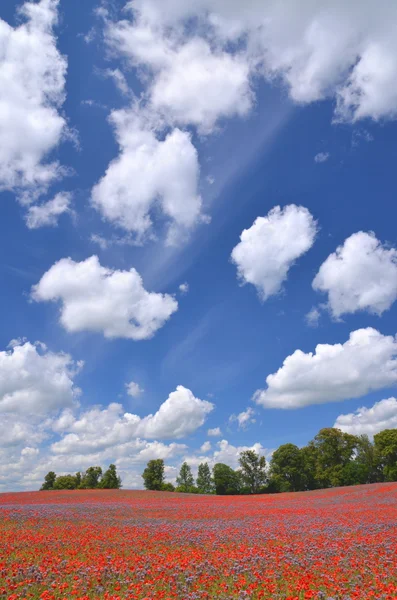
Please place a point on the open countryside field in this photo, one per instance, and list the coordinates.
(338, 543)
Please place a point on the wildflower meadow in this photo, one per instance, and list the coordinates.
(335, 544)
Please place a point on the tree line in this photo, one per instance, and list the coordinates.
(332, 459)
(93, 478)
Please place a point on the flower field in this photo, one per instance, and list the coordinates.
(339, 544)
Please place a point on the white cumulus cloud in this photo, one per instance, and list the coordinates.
(184, 288)
(360, 275)
(32, 91)
(215, 432)
(366, 362)
(48, 213)
(35, 381)
(382, 415)
(313, 317)
(270, 247)
(97, 429)
(149, 173)
(95, 298)
(226, 453)
(192, 81)
(341, 50)
(134, 389)
(206, 447)
(321, 157)
(244, 418)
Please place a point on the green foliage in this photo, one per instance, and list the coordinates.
(386, 453)
(78, 479)
(367, 459)
(65, 482)
(335, 449)
(185, 481)
(49, 481)
(204, 481)
(287, 469)
(110, 479)
(253, 470)
(167, 487)
(153, 475)
(309, 467)
(91, 478)
(227, 481)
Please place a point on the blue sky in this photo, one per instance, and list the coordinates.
(220, 120)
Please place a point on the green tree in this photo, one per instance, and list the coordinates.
(78, 479)
(366, 458)
(185, 481)
(286, 469)
(110, 479)
(49, 481)
(226, 480)
(91, 478)
(335, 450)
(65, 482)
(153, 475)
(386, 451)
(167, 487)
(253, 470)
(309, 456)
(204, 481)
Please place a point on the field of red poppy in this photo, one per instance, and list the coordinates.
(339, 544)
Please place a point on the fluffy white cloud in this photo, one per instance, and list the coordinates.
(24, 467)
(149, 173)
(32, 90)
(180, 415)
(270, 247)
(95, 298)
(192, 81)
(229, 454)
(134, 389)
(198, 63)
(48, 213)
(215, 432)
(321, 157)
(226, 453)
(319, 50)
(35, 381)
(206, 447)
(119, 80)
(184, 288)
(313, 317)
(244, 418)
(366, 362)
(360, 275)
(95, 430)
(382, 415)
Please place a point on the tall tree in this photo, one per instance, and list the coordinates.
(367, 461)
(386, 450)
(286, 469)
(226, 480)
(49, 481)
(91, 478)
(185, 481)
(253, 470)
(204, 482)
(153, 475)
(110, 479)
(335, 450)
(65, 482)
(309, 456)
(78, 479)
